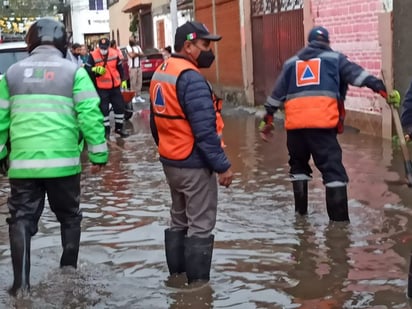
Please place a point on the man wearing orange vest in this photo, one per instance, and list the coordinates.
(105, 68)
(312, 87)
(184, 126)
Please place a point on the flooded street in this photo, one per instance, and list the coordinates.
(265, 256)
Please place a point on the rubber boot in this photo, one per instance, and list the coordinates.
(70, 236)
(300, 192)
(107, 132)
(198, 257)
(175, 250)
(119, 130)
(20, 256)
(337, 203)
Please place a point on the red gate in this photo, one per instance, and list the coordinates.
(277, 34)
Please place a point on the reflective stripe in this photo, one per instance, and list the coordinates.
(25, 101)
(84, 95)
(272, 102)
(4, 103)
(44, 163)
(312, 93)
(97, 148)
(335, 184)
(329, 54)
(2, 147)
(164, 77)
(21, 109)
(297, 177)
(361, 78)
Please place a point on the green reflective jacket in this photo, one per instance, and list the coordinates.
(46, 104)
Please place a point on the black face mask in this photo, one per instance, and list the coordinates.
(205, 59)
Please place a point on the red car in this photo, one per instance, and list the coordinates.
(149, 63)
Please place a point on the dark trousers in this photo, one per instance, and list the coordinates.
(112, 96)
(323, 146)
(27, 197)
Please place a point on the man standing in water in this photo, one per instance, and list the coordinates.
(46, 104)
(183, 123)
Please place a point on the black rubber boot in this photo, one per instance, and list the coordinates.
(300, 192)
(119, 130)
(20, 256)
(337, 203)
(70, 236)
(175, 250)
(107, 132)
(198, 257)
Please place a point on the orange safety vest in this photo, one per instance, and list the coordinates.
(218, 103)
(111, 78)
(176, 140)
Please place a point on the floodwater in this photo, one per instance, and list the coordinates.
(265, 256)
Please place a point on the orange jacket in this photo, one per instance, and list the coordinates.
(111, 78)
(176, 140)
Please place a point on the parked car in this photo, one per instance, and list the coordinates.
(10, 53)
(149, 63)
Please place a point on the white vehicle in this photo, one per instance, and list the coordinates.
(10, 53)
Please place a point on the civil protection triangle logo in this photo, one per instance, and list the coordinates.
(308, 72)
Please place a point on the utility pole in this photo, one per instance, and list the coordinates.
(173, 15)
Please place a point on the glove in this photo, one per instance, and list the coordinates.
(376, 85)
(99, 70)
(124, 84)
(266, 127)
(394, 98)
(4, 166)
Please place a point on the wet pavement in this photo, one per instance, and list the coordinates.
(265, 256)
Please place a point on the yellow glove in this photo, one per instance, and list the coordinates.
(124, 84)
(99, 70)
(394, 98)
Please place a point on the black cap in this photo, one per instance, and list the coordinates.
(104, 43)
(193, 30)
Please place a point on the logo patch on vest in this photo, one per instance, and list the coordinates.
(308, 72)
(159, 101)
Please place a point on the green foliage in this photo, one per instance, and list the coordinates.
(133, 25)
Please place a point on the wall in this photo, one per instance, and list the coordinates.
(120, 21)
(87, 22)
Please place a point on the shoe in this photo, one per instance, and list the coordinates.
(121, 132)
(134, 100)
(140, 99)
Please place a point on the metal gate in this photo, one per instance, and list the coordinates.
(277, 34)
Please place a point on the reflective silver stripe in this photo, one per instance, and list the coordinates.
(45, 163)
(1, 148)
(97, 148)
(84, 95)
(106, 118)
(297, 177)
(272, 102)
(4, 103)
(21, 109)
(360, 79)
(164, 77)
(22, 101)
(334, 184)
(329, 54)
(312, 93)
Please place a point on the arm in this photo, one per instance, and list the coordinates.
(4, 116)
(90, 118)
(132, 54)
(89, 65)
(196, 99)
(120, 68)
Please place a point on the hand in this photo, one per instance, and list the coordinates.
(124, 84)
(376, 85)
(225, 179)
(394, 98)
(97, 167)
(99, 70)
(4, 166)
(266, 127)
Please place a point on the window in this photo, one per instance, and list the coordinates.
(95, 5)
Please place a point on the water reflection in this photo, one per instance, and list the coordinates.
(265, 256)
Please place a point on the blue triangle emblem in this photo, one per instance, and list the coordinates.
(307, 74)
(159, 100)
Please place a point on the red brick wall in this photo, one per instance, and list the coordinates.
(229, 60)
(353, 30)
